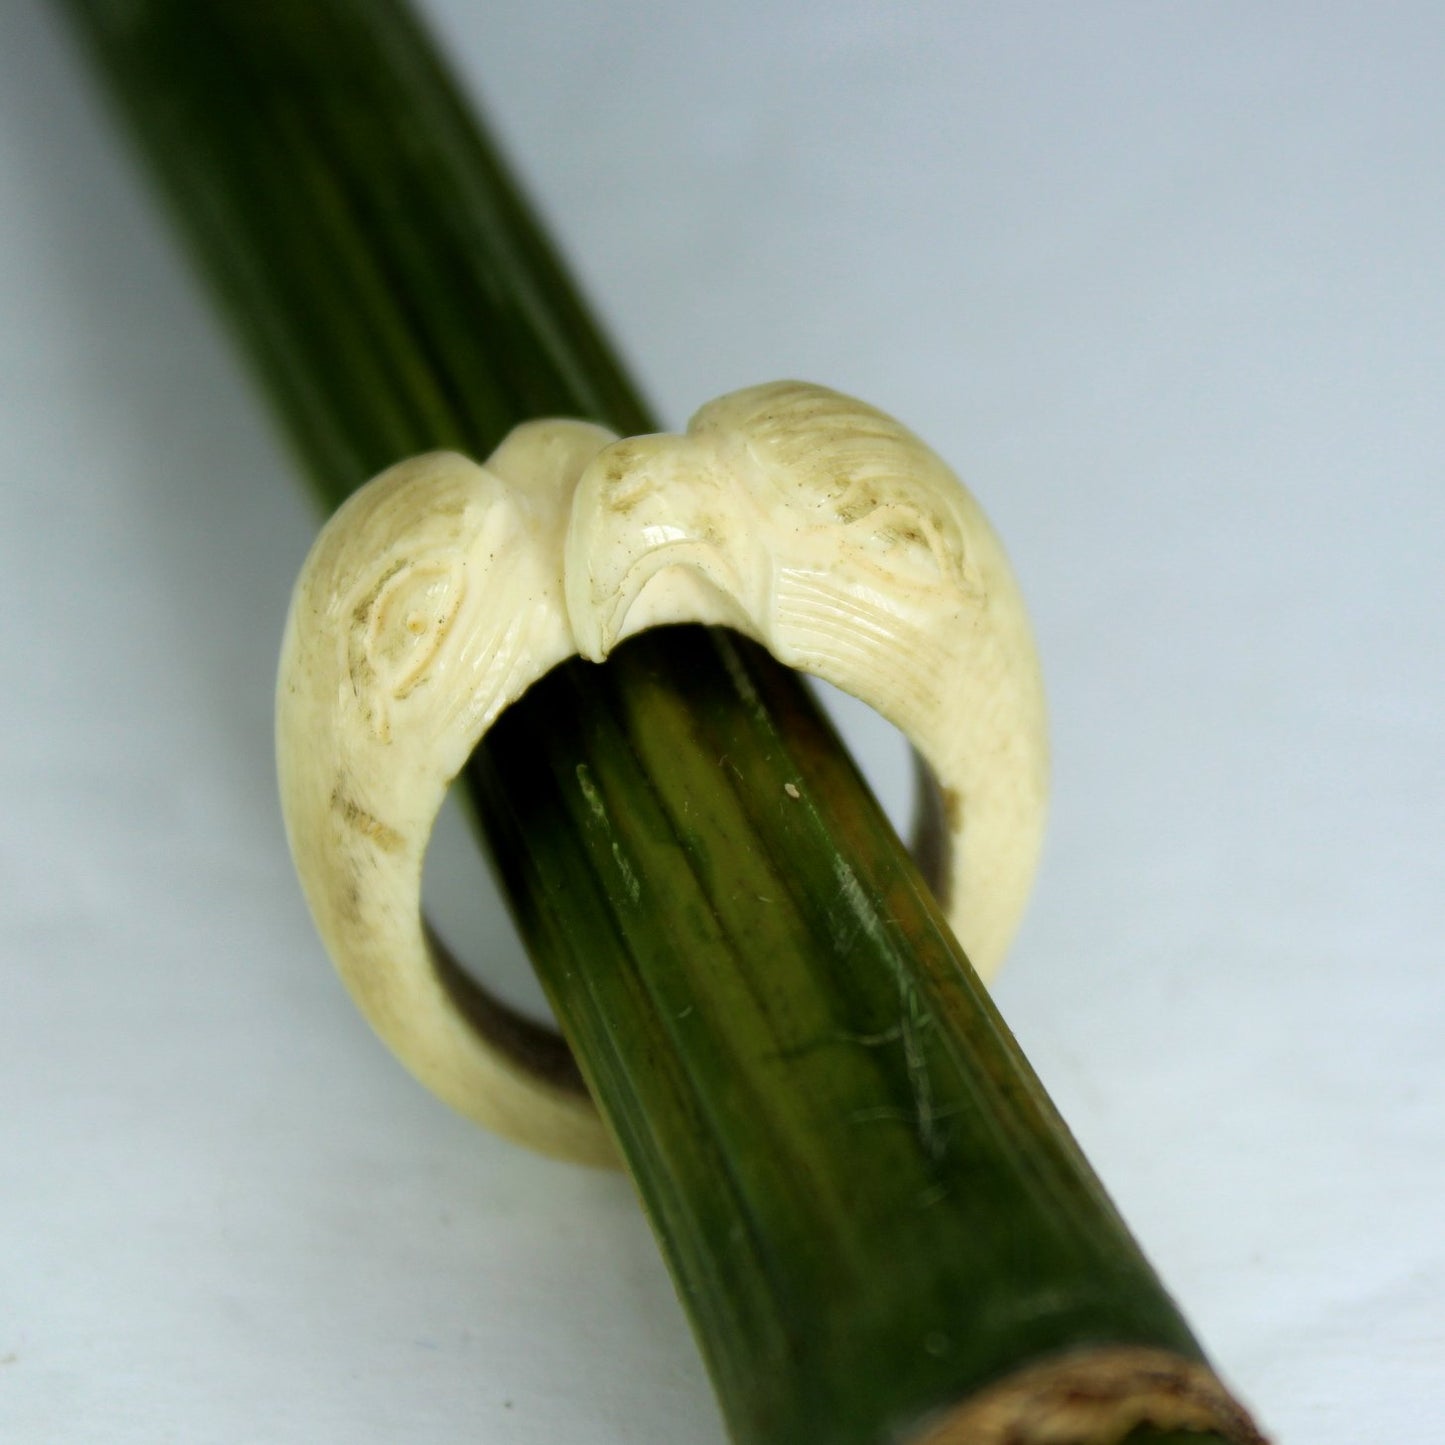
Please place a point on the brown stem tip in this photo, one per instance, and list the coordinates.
(1096, 1397)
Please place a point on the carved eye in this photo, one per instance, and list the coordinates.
(625, 479)
(408, 621)
(890, 524)
(909, 542)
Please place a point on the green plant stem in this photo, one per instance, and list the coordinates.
(869, 1205)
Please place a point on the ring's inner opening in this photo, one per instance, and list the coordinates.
(880, 750)
(481, 957)
(905, 786)
(464, 907)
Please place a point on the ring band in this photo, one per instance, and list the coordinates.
(440, 591)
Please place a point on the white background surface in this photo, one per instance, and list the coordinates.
(1165, 283)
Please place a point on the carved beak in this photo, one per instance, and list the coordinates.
(659, 531)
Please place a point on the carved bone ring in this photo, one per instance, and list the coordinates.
(439, 592)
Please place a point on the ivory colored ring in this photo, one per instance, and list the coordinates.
(439, 592)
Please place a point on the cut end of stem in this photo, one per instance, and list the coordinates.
(1099, 1397)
